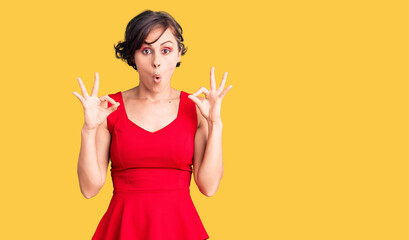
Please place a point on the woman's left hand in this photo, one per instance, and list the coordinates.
(210, 106)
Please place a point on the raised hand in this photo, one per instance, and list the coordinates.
(210, 106)
(95, 108)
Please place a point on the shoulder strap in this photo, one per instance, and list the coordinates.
(113, 117)
(189, 110)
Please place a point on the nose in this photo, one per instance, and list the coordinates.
(156, 61)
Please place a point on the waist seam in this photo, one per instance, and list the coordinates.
(148, 190)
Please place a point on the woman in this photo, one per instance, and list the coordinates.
(156, 137)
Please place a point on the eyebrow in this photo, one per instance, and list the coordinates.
(160, 44)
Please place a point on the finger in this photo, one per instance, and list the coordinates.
(82, 100)
(225, 91)
(107, 98)
(114, 107)
(200, 91)
(96, 85)
(221, 87)
(83, 89)
(212, 79)
(195, 99)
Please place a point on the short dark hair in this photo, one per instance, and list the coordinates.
(139, 28)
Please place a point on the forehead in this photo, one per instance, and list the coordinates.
(156, 33)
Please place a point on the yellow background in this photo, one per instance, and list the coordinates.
(315, 137)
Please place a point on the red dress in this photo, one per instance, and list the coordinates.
(151, 174)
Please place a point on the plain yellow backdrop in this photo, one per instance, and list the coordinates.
(315, 137)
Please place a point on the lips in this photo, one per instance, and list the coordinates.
(157, 78)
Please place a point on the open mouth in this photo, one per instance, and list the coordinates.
(157, 78)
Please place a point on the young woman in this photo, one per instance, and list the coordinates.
(155, 136)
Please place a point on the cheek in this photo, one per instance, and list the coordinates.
(175, 57)
(139, 61)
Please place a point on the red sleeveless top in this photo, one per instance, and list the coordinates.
(151, 174)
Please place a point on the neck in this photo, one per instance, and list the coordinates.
(142, 92)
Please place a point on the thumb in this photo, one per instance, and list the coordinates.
(194, 99)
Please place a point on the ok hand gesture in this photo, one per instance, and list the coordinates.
(210, 106)
(95, 108)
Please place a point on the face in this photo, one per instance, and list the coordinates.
(157, 62)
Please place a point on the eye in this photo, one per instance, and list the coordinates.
(146, 51)
(166, 50)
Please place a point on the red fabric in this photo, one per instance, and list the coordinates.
(151, 174)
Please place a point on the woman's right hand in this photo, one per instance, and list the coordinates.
(95, 108)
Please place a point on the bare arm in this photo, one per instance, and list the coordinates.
(93, 159)
(208, 161)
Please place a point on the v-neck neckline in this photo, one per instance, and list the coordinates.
(159, 130)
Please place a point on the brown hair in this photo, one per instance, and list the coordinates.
(139, 28)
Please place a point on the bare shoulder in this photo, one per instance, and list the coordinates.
(127, 93)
